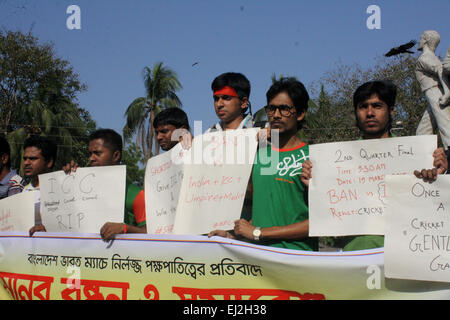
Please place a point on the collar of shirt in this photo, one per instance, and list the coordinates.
(247, 122)
(8, 177)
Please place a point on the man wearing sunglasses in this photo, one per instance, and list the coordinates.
(280, 211)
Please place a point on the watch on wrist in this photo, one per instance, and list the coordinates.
(256, 233)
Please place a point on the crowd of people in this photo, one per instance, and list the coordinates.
(275, 210)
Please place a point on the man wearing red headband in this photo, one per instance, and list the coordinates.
(280, 201)
(231, 92)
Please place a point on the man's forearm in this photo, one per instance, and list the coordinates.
(297, 230)
(133, 229)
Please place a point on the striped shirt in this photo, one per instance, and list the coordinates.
(11, 184)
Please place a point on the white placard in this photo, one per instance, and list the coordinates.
(82, 201)
(17, 212)
(215, 181)
(163, 178)
(347, 191)
(417, 241)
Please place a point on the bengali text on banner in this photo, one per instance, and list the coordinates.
(176, 267)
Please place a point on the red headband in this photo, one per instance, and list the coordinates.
(229, 91)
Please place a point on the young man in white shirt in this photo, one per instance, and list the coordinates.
(231, 93)
(39, 157)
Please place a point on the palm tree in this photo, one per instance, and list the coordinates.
(52, 113)
(161, 85)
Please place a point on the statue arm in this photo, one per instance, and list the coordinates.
(446, 62)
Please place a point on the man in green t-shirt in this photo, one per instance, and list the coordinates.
(374, 108)
(280, 209)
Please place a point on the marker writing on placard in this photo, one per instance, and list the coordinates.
(418, 190)
(404, 152)
(85, 187)
(342, 171)
(176, 178)
(161, 212)
(164, 212)
(65, 221)
(85, 184)
(426, 225)
(52, 180)
(343, 181)
(160, 169)
(162, 186)
(347, 195)
(64, 184)
(429, 242)
(372, 167)
(376, 155)
(438, 264)
(341, 157)
(359, 211)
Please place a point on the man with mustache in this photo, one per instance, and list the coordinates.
(105, 149)
(39, 157)
(374, 108)
(280, 211)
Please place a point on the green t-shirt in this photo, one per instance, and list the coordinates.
(279, 197)
(134, 205)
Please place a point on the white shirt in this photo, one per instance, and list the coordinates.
(246, 123)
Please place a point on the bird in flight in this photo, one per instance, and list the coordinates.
(401, 49)
(194, 63)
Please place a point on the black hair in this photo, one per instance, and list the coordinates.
(111, 139)
(174, 116)
(48, 147)
(295, 90)
(384, 89)
(235, 80)
(5, 149)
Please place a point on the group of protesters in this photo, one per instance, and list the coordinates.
(275, 210)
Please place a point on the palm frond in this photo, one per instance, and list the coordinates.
(161, 84)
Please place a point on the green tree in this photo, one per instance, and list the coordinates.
(328, 120)
(334, 120)
(132, 157)
(161, 85)
(38, 97)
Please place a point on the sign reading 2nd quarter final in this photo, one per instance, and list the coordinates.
(348, 193)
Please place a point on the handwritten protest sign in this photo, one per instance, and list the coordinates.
(215, 181)
(163, 177)
(17, 212)
(84, 200)
(417, 242)
(347, 192)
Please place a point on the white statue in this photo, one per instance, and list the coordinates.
(433, 76)
(445, 99)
